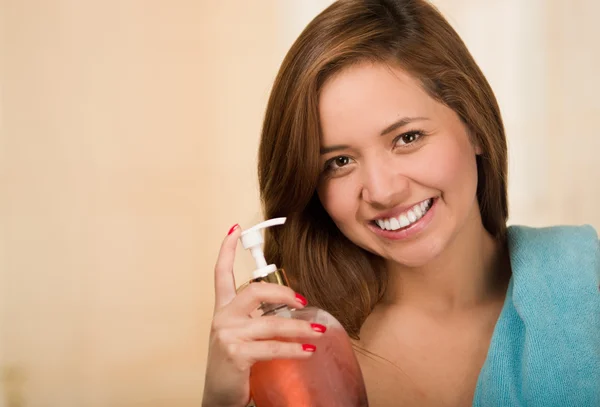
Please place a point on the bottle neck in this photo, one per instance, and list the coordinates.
(276, 277)
(270, 309)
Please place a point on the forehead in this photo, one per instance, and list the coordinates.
(364, 98)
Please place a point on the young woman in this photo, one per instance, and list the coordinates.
(384, 146)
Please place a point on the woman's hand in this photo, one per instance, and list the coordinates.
(237, 341)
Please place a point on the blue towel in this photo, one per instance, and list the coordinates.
(545, 350)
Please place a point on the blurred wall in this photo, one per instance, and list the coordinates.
(129, 134)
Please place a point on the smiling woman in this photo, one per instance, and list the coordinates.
(384, 146)
(344, 142)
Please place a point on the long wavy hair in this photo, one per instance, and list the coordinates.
(332, 272)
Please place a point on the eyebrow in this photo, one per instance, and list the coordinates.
(394, 126)
(401, 123)
(331, 149)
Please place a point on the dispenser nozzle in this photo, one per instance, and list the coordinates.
(253, 239)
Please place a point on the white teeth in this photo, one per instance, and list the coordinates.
(406, 219)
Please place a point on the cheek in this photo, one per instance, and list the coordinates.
(338, 197)
(450, 168)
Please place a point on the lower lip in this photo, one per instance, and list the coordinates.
(410, 231)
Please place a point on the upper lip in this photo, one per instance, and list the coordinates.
(394, 213)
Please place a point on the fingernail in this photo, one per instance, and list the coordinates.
(234, 227)
(318, 328)
(309, 348)
(301, 300)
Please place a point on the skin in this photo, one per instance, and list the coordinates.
(426, 341)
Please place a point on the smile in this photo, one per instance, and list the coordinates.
(405, 219)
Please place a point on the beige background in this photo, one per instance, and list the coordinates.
(129, 132)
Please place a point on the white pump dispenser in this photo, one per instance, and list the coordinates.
(253, 239)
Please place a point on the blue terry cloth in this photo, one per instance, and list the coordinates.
(545, 350)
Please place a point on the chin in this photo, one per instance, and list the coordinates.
(412, 254)
(411, 261)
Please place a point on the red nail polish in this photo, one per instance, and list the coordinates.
(318, 328)
(234, 227)
(309, 348)
(301, 300)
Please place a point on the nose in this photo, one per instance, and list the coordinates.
(384, 185)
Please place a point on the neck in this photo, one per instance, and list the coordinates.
(472, 270)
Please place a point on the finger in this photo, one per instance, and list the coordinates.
(251, 298)
(224, 278)
(271, 327)
(248, 353)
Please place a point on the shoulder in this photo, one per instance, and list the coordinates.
(552, 238)
(555, 252)
(546, 339)
(555, 270)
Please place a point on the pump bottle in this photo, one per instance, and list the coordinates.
(331, 377)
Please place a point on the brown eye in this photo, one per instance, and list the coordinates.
(341, 161)
(408, 138)
(337, 163)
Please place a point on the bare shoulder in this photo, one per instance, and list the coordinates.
(386, 383)
(380, 358)
(411, 360)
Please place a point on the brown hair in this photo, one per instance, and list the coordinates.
(321, 263)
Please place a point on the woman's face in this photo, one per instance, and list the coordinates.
(399, 172)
